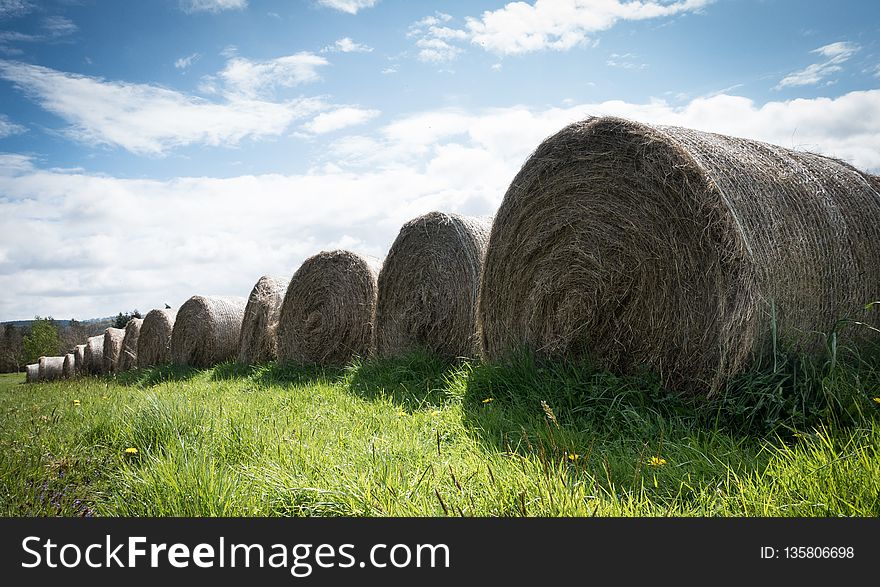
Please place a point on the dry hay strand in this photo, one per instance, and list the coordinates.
(257, 342)
(677, 250)
(50, 368)
(206, 331)
(113, 338)
(128, 353)
(68, 367)
(428, 287)
(32, 373)
(327, 313)
(79, 359)
(154, 340)
(94, 355)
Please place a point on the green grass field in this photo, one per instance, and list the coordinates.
(418, 438)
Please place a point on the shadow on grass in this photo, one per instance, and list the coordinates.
(413, 382)
(229, 370)
(150, 376)
(291, 375)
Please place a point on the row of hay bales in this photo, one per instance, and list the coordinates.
(630, 244)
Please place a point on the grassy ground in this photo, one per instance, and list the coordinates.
(415, 437)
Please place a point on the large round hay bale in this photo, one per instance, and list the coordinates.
(428, 287)
(68, 367)
(94, 355)
(678, 250)
(327, 313)
(79, 359)
(32, 373)
(154, 341)
(113, 338)
(206, 331)
(257, 342)
(128, 353)
(50, 368)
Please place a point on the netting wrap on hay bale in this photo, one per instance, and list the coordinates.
(257, 342)
(113, 338)
(327, 313)
(206, 331)
(79, 359)
(94, 355)
(428, 287)
(154, 340)
(128, 354)
(68, 367)
(32, 373)
(677, 250)
(50, 368)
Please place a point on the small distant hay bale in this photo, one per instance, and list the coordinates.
(154, 340)
(678, 250)
(79, 358)
(257, 342)
(32, 373)
(206, 331)
(327, 313)
(94, 355)
(68, 368)
(428, 287)
(128, 353)
(51, 368)
(113, 338)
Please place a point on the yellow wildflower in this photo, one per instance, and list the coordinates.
(488, 400)
(657, 461)
(573, 456)
(76, 402)
(131, 451)
(877, 400)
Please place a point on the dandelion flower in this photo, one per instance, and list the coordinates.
(131, 451)
(488, 400)
(877, 400)
(657, 461)
(76, 402)
(573, 456)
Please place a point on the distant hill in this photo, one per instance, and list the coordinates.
(62, 323)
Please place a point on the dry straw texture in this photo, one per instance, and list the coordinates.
(257, 343)
(32, 373)
(113, 338)
(94, 355)
(677, 250)
(68, 367)
(327, 314)
(128, 354)
(79, 359)
(50, 368)
(206, 331)
(428, 287)
(154, 341)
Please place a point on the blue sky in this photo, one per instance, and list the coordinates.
(154, 150)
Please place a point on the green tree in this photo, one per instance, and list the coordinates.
(122, 319)
(42, 340)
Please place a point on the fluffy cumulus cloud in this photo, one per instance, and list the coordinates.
(834, 56)
(68, 246)
(347, 45)
(213, 6)
(348, 6)
(339, 118)
(248, 78)
(521, 27)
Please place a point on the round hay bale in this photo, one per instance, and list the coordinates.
(32, 373)
(94, 355)
(128, 353)
(68, 367)
(678, 250)
(327, 313)
(428, 287)
(79, 359)
(50, 368)
(154, 341)
(206, 331)
(256, 343)
(113, 338)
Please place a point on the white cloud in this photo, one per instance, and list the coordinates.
(194, 235)
(389, 70)
(185, 62)
(59, 26)
(625, 61)
(346, 45)
(835, 55)
(14, 8)
(213, 6)
(349, 6)
(559, 25)
(338, 119)
(247, 78)
(9, 128)
(148, 119)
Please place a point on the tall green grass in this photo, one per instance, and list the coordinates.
(417, 437)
